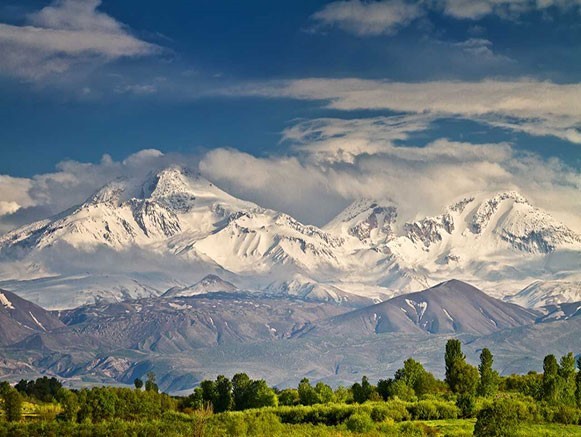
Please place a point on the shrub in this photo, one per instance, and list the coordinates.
(409, 429)
(379, 413)
(423, 410)
(499, 420)
(359, 422)
(567, 415)
(447, 410)
(397, 410)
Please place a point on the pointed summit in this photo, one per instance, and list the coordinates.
(368, 220)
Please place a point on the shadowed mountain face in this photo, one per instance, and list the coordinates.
(280, 338)
(449, 307)
(20, 318)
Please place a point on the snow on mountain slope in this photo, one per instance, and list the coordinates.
(208, 284)
(485, 239)
(177, 227)
(369, 221)
(543, 293)
(20, 318)
(450, 307)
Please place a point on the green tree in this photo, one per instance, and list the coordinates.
(241, 391)
(208, 388)
(12, 405)
(307, 394)
(138, 383)
(223, 398)
(69, 403)
(261, 395)
(362, 392)
(578, 383)
(150, 383)
(452, 357)
(194, 401)
(566, 373)
(288, 397)
(550, 379)
(461, 377)
(416, 377)
(488, 385)
(325, 392)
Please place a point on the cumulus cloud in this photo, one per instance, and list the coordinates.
(371, 18)
(321, 178)
(368, 18)
(321, 173)
(555, 107)
(66, 33)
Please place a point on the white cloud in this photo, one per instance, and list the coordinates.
(476, 9)
(315, 182)
(369, 18)
(343, 140)
(555, 107)
(421, 180)
(64, 34)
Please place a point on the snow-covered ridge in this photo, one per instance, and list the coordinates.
(498, 241)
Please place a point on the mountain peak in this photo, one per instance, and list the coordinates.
(367, 220)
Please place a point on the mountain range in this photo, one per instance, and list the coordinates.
(173, 274)
(184, 339)
(143, 238)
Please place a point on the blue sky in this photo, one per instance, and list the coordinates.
(223, 82)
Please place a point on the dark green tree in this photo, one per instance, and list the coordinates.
(489, 378)
(261, 395)
(578, 383)
(461, 377)
(288, 397)
(138, 383)
(452, 357)
(150, 383)
(362, 392)
(241, 391)
(223, 400)
(12, 405)
(550, 379)
(208, 388)
(566, 374)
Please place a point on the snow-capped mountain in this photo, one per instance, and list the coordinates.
(176, 227)
(208, 284)
(543, 293)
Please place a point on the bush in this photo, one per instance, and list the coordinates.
(446, 410)
(567, 415)
(409, 429)
(499, 420)
(397, 410)
(423, 410)
(359, 422)
(379, 413)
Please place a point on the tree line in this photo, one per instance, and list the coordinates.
(558, 387)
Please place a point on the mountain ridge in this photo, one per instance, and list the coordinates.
(195, 228)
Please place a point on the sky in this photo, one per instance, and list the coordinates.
(300, 106)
